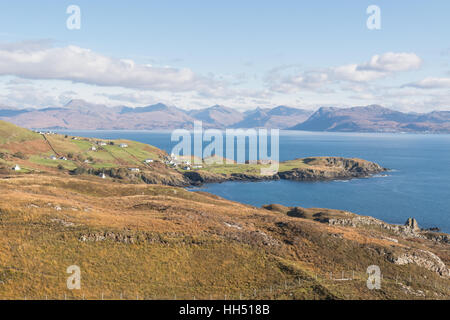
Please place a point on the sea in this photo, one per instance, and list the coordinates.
(416, 185)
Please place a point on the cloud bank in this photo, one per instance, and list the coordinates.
(83, 65)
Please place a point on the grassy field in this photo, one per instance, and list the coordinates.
(161, 242)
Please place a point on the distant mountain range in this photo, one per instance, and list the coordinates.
(375, 118)
(82, 115)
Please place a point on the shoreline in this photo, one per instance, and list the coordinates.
(317, 169)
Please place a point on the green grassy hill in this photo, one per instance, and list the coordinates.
(12, 133)
(49, 152)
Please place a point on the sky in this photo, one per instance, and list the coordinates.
(241, 54)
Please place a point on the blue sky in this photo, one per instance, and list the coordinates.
(242, 54)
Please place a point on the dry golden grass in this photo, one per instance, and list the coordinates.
(180, 243)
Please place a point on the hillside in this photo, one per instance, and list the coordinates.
(165, 242)
(10, 133)
(138, 162)
(137, 234)
(54, 153)
(374, 119)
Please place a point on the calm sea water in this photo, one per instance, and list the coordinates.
(418, 185)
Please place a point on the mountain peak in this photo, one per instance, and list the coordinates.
(150, 108)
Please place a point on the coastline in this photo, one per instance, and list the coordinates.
(321, 169)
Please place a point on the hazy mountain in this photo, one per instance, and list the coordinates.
(79, 114)
(281, 117)
(217, 116)
(374, 118)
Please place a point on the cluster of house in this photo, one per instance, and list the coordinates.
(45, 132)
(173, 162)
(99, 143)
(54, 158)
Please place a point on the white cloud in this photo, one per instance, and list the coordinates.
(352, 72)
(379, 66)
(430, 83)
(36, 61)
(392, 62)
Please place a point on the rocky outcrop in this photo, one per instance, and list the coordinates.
(121, 237)
(422, 258)
(409, 230)
(412, 224)
(319, 169)
(332, 168)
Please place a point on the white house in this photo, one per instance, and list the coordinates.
(17, 168)
(123, 145)
(53, 157)
(102, 175)
(148, 161)
(63, 158)
(134, 169)
(93, 148)
(101, 143)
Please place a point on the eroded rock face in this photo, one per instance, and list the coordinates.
(422, 258)
(412, 224)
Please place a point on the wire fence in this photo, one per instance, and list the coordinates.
(412, 286)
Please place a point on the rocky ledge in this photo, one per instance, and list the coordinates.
(400, 252)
